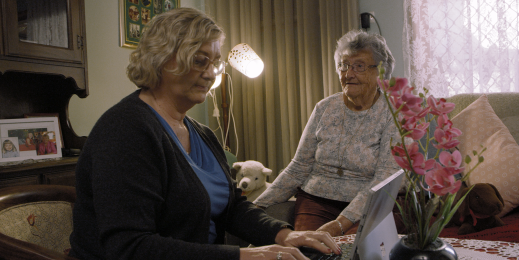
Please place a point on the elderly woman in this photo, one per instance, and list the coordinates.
(345, 147)
(167, 193)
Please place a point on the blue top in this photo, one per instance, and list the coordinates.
(207, 168)
(10, 154)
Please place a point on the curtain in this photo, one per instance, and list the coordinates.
(296, 40)
(467, 46)
(50, 28)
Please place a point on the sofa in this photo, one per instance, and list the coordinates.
(506, 108)
(502, 170)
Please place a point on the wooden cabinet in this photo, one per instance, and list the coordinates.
(27, 33)
(43, 63)
(45, 36)
(60, 172)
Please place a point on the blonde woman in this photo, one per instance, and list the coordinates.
(167, 193)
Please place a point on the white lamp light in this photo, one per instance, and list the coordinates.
(243, 58)
(217, 81)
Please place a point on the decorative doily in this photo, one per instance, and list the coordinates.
(506, 250)
(469, 249)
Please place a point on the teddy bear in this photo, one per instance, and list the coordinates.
(479, 209)
(251, 177)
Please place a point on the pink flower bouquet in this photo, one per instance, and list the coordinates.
(431, 183)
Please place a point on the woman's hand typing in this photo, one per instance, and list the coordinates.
(288, 242)
(271, 252)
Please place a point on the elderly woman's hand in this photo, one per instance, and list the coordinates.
(336, 227)
(321, 241)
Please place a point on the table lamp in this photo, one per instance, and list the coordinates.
(244, 59)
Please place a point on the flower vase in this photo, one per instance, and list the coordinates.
(438, 250)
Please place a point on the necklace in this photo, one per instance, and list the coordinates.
(178, 127)
(341, 154)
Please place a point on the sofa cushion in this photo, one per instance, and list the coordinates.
(505, 105)
(481, 126)
(46, 223)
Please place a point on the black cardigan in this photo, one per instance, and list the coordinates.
(138, 197)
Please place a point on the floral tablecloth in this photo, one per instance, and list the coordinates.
(470, 248)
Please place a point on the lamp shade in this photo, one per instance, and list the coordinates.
(243, 58)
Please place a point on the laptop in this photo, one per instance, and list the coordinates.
(377, 233)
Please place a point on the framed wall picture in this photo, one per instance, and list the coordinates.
(30, 138)
(135, 14)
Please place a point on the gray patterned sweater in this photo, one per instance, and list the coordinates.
(337, 137)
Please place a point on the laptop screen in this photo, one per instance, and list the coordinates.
(376, 234)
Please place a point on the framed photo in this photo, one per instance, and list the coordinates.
(30, 115)
(135, 14)
(30, 138)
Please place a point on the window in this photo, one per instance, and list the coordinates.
(454, 46)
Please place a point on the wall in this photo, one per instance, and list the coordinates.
(107, 63)
(390, 17)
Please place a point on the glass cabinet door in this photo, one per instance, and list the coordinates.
(44, 29)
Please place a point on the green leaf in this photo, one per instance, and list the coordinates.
(433, 230)
(431, 206)
(467, 159)
(481, 159)
(392, 81)
(381, 70)
(474, 152)
(442, 218)
(452, 211)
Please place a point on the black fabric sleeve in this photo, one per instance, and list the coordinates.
(125, 172)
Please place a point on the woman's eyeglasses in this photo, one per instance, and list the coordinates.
(201, 63)
(356, 67)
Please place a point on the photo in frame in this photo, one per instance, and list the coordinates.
(30, 115)
(135, 14)
(30, 138)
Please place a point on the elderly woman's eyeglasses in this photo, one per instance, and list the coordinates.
(356, 67)
(201, 63)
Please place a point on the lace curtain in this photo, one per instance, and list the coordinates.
(469, 46)
(49, 29)
(296, 40)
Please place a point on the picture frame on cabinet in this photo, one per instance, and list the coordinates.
(56, 115)
(135, 14)
(30, 138)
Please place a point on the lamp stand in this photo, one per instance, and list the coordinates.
(225, 109)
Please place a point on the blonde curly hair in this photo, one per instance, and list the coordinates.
(178, 33)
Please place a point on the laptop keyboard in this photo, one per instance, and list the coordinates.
(329, 257)
(316, 255)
